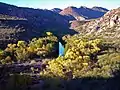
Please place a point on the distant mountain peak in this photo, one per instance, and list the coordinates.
(69, 10)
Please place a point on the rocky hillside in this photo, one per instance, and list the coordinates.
(108, 25)
(38, 18)
(83, 13)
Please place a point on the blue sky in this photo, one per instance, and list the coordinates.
(49, 4)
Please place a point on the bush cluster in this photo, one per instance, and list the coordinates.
(84, 57)
(23, 51)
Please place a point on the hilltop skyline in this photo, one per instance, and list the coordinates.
(50, 4)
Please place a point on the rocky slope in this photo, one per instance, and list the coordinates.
(108, 25)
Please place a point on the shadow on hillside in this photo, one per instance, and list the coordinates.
(14, 30)
(31, 30)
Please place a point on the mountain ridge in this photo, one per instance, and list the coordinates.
(83, 12)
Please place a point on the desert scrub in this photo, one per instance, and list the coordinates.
(22, 51)
(84, 57)
(76, 60)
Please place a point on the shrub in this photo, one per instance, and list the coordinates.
(22, 51)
